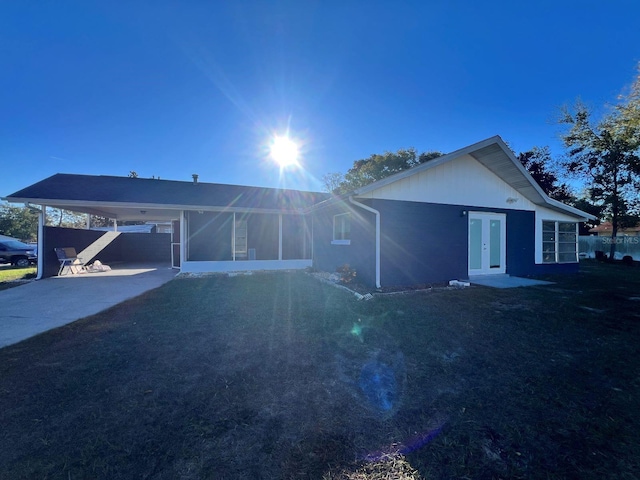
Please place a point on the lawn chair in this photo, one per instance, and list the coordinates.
(68, 257)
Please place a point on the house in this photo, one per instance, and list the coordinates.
(216, 227)
(475, 211)
(606, 228)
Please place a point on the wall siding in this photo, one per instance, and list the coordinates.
(421, 242)
(461, 181)
(424, 243)
(360, 254)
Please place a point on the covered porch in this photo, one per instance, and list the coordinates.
(223, 241)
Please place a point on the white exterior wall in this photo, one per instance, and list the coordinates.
(461, 181)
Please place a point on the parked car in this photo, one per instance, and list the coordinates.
(17, 253)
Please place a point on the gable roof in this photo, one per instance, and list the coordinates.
(125, 198)
(495, 155)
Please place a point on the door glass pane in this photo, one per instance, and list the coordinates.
(475, 244)
(494, 244)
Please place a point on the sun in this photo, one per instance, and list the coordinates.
(284, 151)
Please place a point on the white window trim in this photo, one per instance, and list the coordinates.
(557, 242)
(335, 241)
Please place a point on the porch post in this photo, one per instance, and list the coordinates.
(183, 238)
(304, 237)
(233, 238)
(312, 239)
(42, 218)
(279, 236)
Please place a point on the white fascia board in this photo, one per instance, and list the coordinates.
(137, 206)
(556, 205)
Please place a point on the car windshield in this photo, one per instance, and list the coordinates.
(15, 245)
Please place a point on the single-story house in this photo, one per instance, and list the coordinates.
(606, 228)
(475, 211)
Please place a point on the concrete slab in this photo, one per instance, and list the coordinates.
(42, 305)
(505, 281)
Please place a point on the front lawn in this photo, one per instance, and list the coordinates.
(10, 274)
(277, 376)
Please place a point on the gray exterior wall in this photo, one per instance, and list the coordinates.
(423, 243)
(127, 247)
(360, 254)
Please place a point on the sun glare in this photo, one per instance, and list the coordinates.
(284, 151)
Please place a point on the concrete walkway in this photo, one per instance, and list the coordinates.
(505, 281)
(38, 306)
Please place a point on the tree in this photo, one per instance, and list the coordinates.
(133, 174)
(629, 106)
(18, 222)
(538, 162)
(332, 181)
(58, 217)
(605, 154)
(585, 205)
(376, 167)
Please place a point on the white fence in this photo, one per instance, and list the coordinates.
(587, 246)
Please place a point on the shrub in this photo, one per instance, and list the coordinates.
(347, 274)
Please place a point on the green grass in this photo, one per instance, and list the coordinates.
(258, 377)
(9, 273)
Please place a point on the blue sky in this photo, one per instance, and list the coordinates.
(173, 88)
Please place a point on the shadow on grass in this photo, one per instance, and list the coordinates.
(279, 376)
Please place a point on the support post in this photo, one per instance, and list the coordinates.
(42, 218)
(279, 236)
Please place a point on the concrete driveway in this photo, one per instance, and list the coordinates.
(38, 306)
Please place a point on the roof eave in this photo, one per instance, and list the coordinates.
(60, 203)
(505, 166)
(561, 207)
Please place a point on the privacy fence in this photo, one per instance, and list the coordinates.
(588, 246)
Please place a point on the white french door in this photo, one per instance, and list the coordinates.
(487, 243)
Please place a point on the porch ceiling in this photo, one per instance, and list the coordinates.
(119, 212)
(135, 211)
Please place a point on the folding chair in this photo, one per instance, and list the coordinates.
(68, 257)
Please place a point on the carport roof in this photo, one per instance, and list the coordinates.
(128, 198)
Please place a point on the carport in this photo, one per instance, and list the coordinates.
(118, 249)
(215, 227)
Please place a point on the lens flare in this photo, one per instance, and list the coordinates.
(284, 151)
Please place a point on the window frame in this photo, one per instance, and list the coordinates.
(556, 242)
(343, 231)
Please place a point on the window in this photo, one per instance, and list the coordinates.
(342, 229)
(559, 242)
